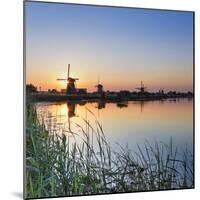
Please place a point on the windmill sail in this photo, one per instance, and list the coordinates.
(68, 71)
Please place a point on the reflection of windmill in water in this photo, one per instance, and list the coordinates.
(71, 112)
(142, 88)
(141, 106)
(100, 105)
(71, 83)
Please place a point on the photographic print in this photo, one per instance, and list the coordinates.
(109, 99)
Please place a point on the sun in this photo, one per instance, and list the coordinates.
(61, 84)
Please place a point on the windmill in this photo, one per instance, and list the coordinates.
(141, 88)
(71, 88)
(161, 91)
(99, 87)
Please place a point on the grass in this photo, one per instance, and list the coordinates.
(58, 165)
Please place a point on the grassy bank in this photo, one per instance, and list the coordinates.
(56, 166)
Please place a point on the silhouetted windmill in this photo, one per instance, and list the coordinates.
(161, 91)
(99, 87)
(141, 88)
(71, 88)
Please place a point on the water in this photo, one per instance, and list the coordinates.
(131, 123)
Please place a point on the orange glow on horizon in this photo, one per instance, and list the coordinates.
(47, 80)
(90, 86)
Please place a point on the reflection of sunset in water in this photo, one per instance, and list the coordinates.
(129, 123)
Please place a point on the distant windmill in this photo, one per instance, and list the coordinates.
(141, 88)
(99, 87)
(161, 91)
(71, 88)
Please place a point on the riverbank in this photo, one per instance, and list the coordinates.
(116, 97)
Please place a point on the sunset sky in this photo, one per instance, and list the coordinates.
(122, 46)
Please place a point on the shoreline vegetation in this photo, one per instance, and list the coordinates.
(107, 96)
(115, 97)
(56, 166)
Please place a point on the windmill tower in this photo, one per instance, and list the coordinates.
(141, 88)
(71, 88)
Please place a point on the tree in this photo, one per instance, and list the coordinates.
(31, 88)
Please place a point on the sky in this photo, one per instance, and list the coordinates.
(117, 46)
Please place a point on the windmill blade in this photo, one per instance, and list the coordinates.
(98, 80)
(68, 71)
(61, 79)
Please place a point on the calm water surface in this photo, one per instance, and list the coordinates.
(125, 123)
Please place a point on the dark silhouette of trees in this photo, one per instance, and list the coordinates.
(31, 88)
